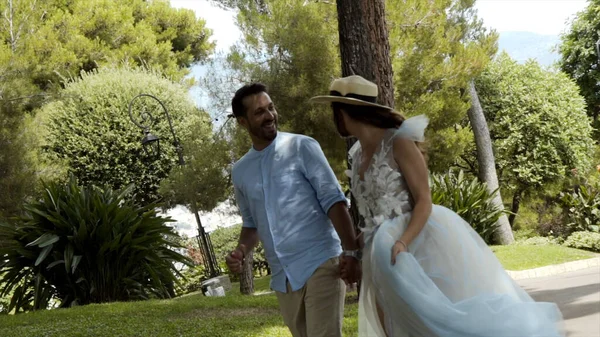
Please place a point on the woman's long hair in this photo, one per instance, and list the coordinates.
(383, 118)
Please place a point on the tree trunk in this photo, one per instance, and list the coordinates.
(365, 51)
(516, 202)
(487, 163)
(364, 44)
(247, 277)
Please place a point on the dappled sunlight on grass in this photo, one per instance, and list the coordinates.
(273, 331)
(521, 257)
(234, 315)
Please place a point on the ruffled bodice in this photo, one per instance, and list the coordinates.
(383, 193)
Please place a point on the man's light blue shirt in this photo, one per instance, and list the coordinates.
(286, 191)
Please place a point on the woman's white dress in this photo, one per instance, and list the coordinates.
(449, 283)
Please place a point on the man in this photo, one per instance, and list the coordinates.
(289, 197)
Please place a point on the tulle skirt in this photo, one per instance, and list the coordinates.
(448, 284)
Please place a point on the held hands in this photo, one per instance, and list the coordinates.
(235, 259)
(399, 247)
(350, 271)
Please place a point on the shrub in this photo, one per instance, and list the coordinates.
(538, 241)
(469, 198)
(582, 209)
(86, 245)
(4, 303)
(91, 132)
(225, 239)
(524, 234)
(192, 279)
(584, 240)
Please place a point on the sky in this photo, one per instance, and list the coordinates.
(546, 17)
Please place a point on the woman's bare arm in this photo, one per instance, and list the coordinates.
(414, 169)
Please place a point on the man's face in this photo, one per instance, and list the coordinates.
(261, 117)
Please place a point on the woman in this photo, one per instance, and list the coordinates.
(426, 272)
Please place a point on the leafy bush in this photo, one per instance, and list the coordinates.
(225, 239)
(538, 241)
(584, 240)
(191, 280)
(582, 209)
(86, 245)
(90, 129)
(4, 303)
(524, 234)
(469, 198)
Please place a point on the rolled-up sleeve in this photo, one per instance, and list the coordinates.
(320, 175)
(242, 202)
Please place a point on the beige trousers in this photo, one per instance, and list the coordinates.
(317, 309)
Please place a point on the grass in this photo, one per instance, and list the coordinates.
(522, 257)
(232, 316)
(192, 315)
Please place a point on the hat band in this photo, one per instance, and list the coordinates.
(369, 99)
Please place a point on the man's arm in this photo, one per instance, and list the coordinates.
(342, 222)
(333, 202)
(248, 236)
(328, 190)
(248, 240)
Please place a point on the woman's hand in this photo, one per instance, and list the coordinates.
(399, 247)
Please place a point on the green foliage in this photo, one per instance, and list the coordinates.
(579, 57)
(191, 279)
(4, 304)
(203, 182)
(582, 209)
(64, 37)
(538, 241)
(291, 46)
(524, 234)
(437, 47)
(469, 198)
(541, 215)
(16, 171)
(42, 41)
(91, 129)
(584, 240)
(537, 123)
(225, 239)
(87, 245)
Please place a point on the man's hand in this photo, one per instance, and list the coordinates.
(350, 270)
(235, 259)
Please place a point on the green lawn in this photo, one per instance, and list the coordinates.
(232, 316)
(521, 257)
(190, 315)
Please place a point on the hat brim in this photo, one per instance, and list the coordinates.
(346, 100)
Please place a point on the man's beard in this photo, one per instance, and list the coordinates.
(267, 135)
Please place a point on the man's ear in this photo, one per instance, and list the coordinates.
(243, 121)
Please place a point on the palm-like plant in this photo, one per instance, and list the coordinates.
(470, 199)
(86, 245)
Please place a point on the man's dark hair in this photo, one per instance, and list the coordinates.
(237, 104)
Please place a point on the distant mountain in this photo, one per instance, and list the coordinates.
(522, 46)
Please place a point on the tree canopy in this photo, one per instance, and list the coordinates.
(537, 122)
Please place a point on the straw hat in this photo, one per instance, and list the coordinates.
(353, 90)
